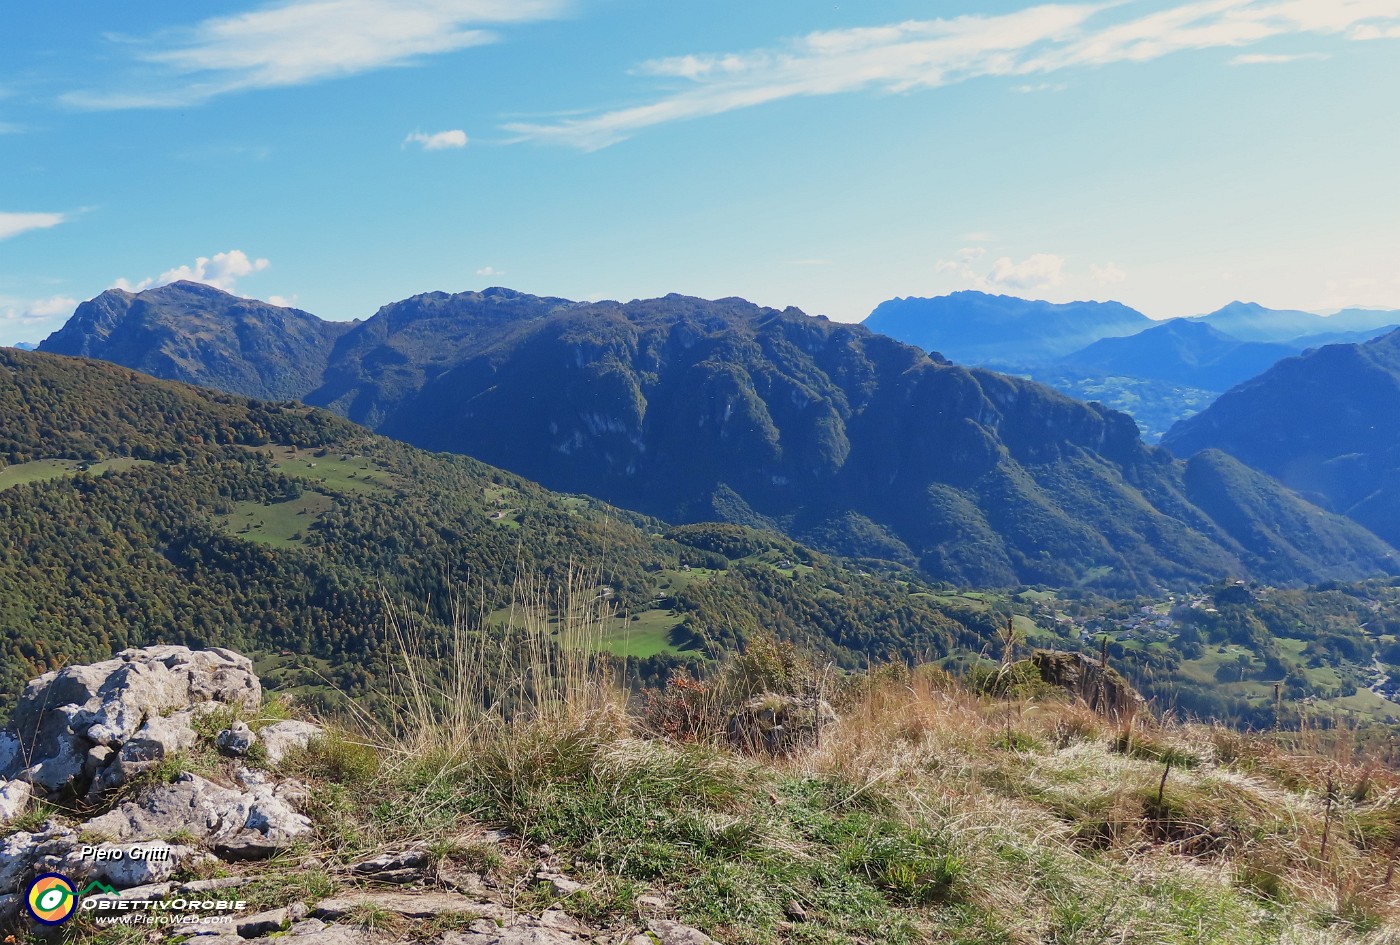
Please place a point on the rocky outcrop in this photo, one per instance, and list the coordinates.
(777, 724)
(281, 738)
(102, 723)
(258, 819)
(1103, 688)
(14, 797)
(81, 732)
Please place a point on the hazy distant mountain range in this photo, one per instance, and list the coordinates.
(1248, 321)
(1182, 351)
(699, 410)
(1159, 372)
(977, 328)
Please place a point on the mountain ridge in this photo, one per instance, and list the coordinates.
(694, 410)
(1180, 351)
(191, 332)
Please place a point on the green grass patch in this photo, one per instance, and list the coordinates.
(649, 634)
(672, 580)
(43, 470)
(277, 524)
(331, 470)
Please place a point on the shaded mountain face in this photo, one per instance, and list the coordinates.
(977, 328)
(695, 410)
(1250, 321)
(1180, 352)
(190, 332)
(1326, 423)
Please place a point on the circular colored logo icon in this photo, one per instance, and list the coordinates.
(51, 899)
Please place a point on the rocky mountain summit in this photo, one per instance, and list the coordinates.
(195, 333)
(89, 776)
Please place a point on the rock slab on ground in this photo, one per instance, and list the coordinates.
(409, 905)
(222, 817)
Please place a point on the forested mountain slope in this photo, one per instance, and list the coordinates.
(693, 410)
(135, 511)
(1326, 423)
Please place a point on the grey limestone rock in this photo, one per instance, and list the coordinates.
(238, 739)
(280, 738)
(14, 798)
(424, 905)
(776, 724)
(255, 820)
(673, 933)
(138, 705)
(134, 867)
(21, 852)
(512, 935)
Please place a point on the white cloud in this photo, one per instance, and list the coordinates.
(1035, 272)
(922, 54)
(283, 301)
(13, 224)
(1032, 274)
(299, 41)
(221, 271)
(489, 271)
(1029, 88)
(1369, 31)
(1268, 59)
(1106, 274)
(37, 311)
(438, 141)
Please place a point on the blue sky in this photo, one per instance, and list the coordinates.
(341, 154)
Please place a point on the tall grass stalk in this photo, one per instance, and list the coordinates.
(542, 665)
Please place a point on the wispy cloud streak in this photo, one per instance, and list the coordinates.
(923, 54)
(301, 41)
(13, 224)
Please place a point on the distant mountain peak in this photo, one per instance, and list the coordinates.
(979, 328)
(192, 332)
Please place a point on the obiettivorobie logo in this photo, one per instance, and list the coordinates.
(52, 900)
